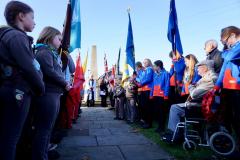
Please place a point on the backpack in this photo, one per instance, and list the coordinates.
(3, 31)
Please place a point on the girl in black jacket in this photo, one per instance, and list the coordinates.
(20, 75)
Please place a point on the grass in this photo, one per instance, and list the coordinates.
(175, 150)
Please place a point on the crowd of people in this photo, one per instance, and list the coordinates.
(35, 83)
(153, 93)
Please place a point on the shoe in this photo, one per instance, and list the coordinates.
(74, 121)
(129, 122)
(116, 118)
(146, 126)
(52, 146)
(53, 154)
(157, 130)
(167, 137)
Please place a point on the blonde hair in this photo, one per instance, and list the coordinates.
(149, 62)
(47, 35)
(191, 68)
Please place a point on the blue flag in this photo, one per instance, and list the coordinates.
(75, 40)
(173, 32)
(130, 46)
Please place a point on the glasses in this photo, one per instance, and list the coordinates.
(224, 42)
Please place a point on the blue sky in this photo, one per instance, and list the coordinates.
(105, 22)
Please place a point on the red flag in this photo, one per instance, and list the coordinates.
(74, 97)
(111, 80)
(105, 64)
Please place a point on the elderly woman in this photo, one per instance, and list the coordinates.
(205, 84)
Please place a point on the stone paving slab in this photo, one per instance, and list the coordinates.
(122, 140)
(99, 132)
(78, 141)
(143, 152)
(96, 136)
(78, 132)
(92, 153)
(122, 131)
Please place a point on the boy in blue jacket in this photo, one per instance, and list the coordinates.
(159, 93)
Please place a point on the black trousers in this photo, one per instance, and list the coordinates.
(13, 113)
(161, 112)
(231, 101)
(104, 101)
(174, 96)
(146, 107)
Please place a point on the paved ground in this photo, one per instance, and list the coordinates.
(96, 136)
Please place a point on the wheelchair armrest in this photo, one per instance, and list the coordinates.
(192, 104)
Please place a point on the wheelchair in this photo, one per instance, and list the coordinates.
(198, 131)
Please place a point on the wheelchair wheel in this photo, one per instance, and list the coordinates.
(222, 143)
(189, 147)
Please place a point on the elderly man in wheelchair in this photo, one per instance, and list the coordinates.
(197, 91)
(220, 141)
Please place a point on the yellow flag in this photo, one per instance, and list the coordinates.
(85, 63)
(125, 71)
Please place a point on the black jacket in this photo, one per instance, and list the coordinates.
(216, 56)
(16, 52)
(103, 87)
(52, 71)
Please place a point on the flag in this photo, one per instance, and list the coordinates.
(130, 45)
(111, 79)
(85, 64)
(125, 70)
(173, 32)
(105, 64)
(67, 29)
(74, 98)
(64, 49)
(75, 39)
(118, 62)
(113, 71)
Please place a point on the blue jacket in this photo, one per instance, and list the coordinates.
(146, 79)
(195, 79)
(178, 67)
(139, 75)
(229, 77)
(161, 83)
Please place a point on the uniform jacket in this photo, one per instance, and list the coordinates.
(146, 79)
(229, 77)
(178, 67)
(186, 84)
(161, 83)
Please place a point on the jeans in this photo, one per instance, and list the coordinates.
(131, 109)
(13, 113)
(176, 112)
(119, 107)
(46, 111)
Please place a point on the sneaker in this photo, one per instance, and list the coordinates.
(52, 146)
(167, 137)
(146, 126)
(53, 154)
